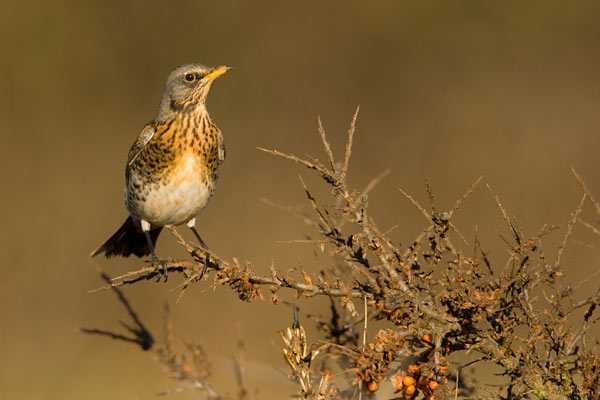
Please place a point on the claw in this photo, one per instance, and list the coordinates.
(156, 263)
(195, 253)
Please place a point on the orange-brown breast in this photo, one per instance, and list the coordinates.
(175, 174)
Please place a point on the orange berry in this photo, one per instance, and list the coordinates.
(430, 397)
(443, 367)
(378, 378)
(373, 386)
(409, 391)
(433, 385)
(408, 380)
(427, 338)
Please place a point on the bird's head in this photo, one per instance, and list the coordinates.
(187, 87)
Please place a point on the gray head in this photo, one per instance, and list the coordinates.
(186, 88)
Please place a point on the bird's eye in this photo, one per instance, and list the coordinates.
(189, 77)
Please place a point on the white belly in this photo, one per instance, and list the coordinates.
(174, 200)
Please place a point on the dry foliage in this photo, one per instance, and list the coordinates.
(444, 304)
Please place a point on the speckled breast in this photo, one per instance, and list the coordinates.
(174, 177)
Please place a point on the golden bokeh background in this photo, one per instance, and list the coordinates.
(448, 90)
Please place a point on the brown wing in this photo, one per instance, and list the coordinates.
(141, 141)
(136, 148)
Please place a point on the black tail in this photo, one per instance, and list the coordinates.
(128, 240)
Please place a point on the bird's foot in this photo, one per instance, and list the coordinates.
(196, 254)
(161, 265)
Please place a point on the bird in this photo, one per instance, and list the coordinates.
(172, 167)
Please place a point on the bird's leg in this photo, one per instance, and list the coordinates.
(155, 260)
(192, 225)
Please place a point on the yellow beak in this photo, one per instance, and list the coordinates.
(216, 72)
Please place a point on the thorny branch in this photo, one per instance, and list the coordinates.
(442, 304)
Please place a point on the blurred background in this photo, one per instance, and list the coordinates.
(448, 90)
